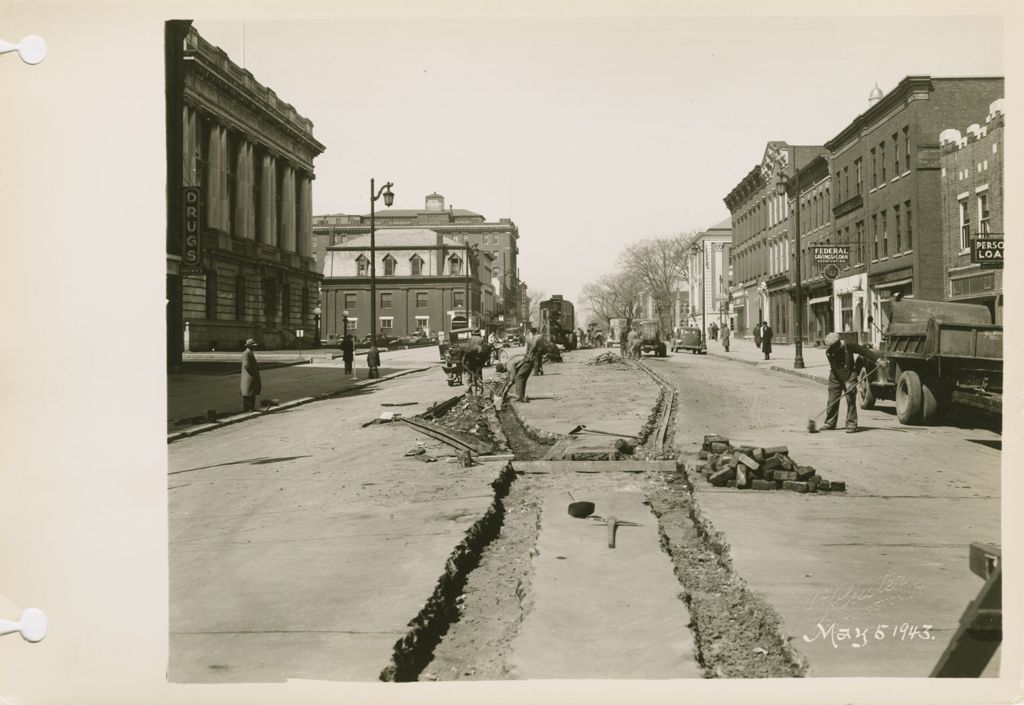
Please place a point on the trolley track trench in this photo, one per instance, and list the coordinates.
(466, 629)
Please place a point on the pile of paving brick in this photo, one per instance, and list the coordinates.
(755, 468)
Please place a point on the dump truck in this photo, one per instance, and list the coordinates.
(934, 354)
(651, 340)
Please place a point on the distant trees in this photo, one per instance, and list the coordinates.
(654, 268)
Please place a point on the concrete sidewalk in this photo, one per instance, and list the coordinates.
(214, 384)
(782, 356)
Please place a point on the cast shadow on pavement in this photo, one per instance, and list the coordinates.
(249, 461)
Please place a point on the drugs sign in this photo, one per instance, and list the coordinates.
(191, 262)
(987, 251)
(831, 254)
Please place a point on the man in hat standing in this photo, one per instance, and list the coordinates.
(251, 385)
(842, 379)
(766, 340)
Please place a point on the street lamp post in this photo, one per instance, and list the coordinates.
(783, 190)
(316, 320)
(389, 198)
(344, 323)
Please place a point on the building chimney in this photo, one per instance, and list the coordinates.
(875, 96)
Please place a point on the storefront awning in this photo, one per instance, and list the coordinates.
(819, 300)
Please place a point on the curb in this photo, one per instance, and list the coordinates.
(290, 404)
(776, 368)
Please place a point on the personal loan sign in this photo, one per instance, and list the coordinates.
(830, 254)
(987, 251)
(191, 262)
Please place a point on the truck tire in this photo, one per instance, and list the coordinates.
(909, 398)
(865, 395)
(931, 400)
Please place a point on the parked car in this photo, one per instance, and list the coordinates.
(690, 338)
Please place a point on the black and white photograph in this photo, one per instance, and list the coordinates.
(509, 352)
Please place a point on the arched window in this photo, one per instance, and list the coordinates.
(362, 266)
(417, 265)
(389, 265)
(454, 265)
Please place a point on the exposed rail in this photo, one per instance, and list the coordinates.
(439, 434)
(665, 408)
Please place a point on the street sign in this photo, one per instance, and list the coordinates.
(830, 254)
(191, 251)
(830, 271)
(987, 251)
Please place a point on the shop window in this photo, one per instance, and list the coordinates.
(846, 311)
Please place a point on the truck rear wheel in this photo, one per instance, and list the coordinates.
(865, 395)
(932, 398)
(909, 398)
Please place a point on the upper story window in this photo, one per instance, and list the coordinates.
(906, 148)
(859, 166)
(874, 169)
(417, 265)
(454, 265)
(389, 265)
(895, 154)
(965, 225)
(362, 266)
(983, 228)
(881, 152)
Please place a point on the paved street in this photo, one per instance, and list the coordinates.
(302, 544)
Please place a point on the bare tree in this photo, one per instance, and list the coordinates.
(535, 296)
(659, 265)
(614, 296)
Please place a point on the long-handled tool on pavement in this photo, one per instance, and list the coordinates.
(580, 510)
(613, 523)
(812, 424)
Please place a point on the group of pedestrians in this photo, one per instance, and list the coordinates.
(763, 339)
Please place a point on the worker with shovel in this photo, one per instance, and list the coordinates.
(519, 368)
(842, 379)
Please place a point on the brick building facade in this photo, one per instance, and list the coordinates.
(762, 242)
(887, 194)
(498, 238)
(239, 251)
(815, 184)
(425, 281)
(971, 171)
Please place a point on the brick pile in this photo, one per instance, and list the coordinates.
(756, 468)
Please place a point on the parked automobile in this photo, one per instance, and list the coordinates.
(690, 338)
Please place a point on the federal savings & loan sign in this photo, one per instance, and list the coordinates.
(831, 254)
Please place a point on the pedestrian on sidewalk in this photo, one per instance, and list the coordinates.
(842, 379)
(757, 334)
(632, 343)
(348, 351)
(766, 341)
(373, 362)
(726, 334)
(251, 384)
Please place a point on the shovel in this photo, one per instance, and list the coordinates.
(580, 510)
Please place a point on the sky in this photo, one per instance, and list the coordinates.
(590, 132)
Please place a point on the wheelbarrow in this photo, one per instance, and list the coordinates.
(454, 374)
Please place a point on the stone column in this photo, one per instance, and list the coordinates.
(269, 235)
(305, 217)
(288, 210)
(225, 200)
(243, 192)
(213, 171)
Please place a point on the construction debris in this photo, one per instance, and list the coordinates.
(605, 358)
(757, 468)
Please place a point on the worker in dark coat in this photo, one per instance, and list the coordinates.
(726, 334)
(766, 341)
(519, 368)
(348, 351)
(842, 379)
(757, 335)
(251, 384)
(373, 362)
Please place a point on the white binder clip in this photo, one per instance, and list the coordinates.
(32, 625)
(32, 49)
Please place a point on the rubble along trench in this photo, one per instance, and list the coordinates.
(466, 629)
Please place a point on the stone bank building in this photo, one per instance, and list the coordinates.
(240, 258)
(499, 239)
